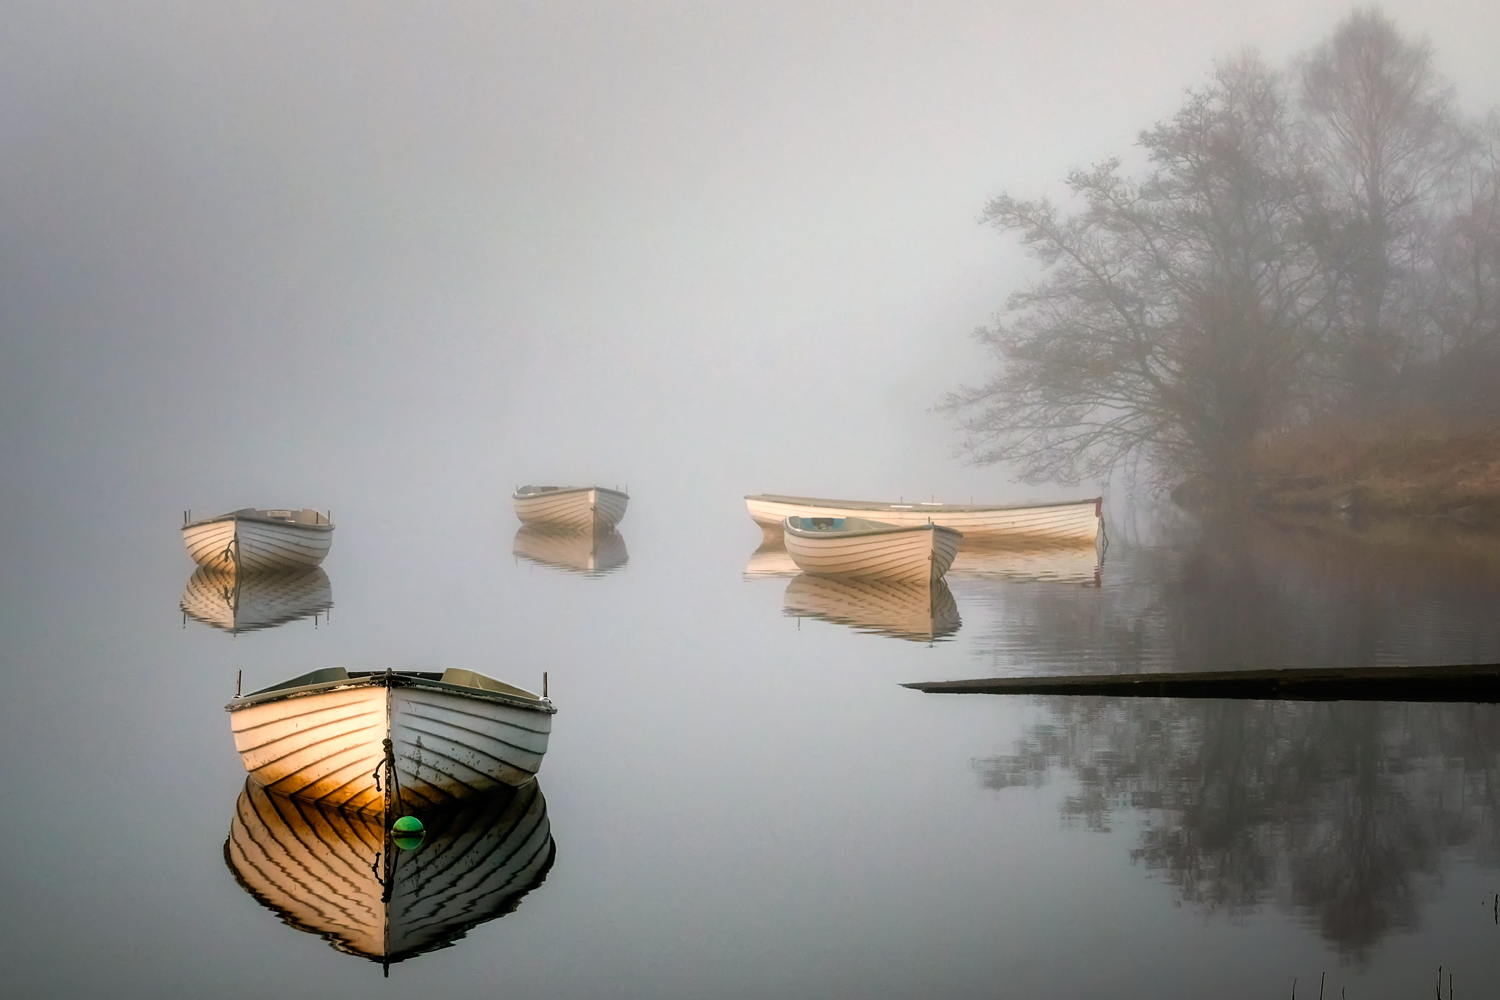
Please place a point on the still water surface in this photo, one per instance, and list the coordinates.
(739, 800)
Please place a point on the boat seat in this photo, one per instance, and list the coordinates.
(468, 678)
(820, 523)
(322, 676)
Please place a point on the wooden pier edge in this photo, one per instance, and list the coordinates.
(1479, 683)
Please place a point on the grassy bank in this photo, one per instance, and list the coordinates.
(1408, 470)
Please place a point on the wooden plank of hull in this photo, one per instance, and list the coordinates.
(922, 611)
(322, 747)
(591, 553)
(265, 546)
(256, 545)
(1077, 564)
(320, 869)
(211, 544)
(325, 747)
(1077, 520)
(450, 748)
(245, 602)
(580, 508)
(770, 561)
(918, 553)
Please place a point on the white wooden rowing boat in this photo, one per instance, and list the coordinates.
(1074, 519)
(246, 602)
(452, 736)
(858, 547)
(770, 561)
(1076, 564)
(592, 553)
(919, 610)
(252, 540)
(583, 508)
(336, 874)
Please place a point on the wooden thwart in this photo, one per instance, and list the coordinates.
(1464, 683)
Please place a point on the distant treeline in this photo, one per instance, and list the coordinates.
(1316, 244)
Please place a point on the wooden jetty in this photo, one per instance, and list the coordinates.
(1460, 683)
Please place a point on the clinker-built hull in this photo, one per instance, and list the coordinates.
(259, 541)
(1078, 520)
(872, 550)
(320, 737)
(579, 508)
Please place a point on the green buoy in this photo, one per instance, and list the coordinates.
(407, 833)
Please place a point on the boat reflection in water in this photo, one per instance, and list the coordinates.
(335, 874)
(1080, 564)
(247, 602)
(922, 611)
(769, 561)
(592, 553)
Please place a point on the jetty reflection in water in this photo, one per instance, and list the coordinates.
(922, 611)
(247, 602)
(1341, 812)
(335, 874)
(592, 553)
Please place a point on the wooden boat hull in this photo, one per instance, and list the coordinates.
(580, 508)
(251, 544)
(918, 610)
(246, 602)
(592, 553)
(325, 744)
(1075, 564)
(325, 872)
(1078, 520)
(922, 552)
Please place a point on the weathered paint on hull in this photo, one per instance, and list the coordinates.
(256, 546)
(918, 553)
(321, 870)
(325, 747)
(1076, 520)
(918, 610)
(583, 508)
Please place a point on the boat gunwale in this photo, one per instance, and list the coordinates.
(963, 508)
(542, 706)
(884, 529)
(560, 490)
(242, 516)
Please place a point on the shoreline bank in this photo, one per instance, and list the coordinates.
(1405, 473)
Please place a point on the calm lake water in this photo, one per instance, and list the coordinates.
(742, 799)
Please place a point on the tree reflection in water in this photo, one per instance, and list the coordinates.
(1343, 812)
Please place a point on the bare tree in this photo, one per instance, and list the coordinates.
(1382, 121)
(1173, 311)
(1462, 300)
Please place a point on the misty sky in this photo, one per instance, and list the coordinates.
(288, 252)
